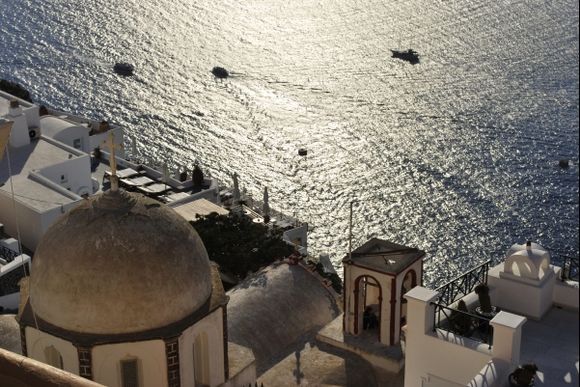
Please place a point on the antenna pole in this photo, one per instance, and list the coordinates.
(350, 234)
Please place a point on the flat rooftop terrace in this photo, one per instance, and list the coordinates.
(37, 155)
(552, 344)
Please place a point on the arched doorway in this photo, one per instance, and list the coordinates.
(368, 305)
(409, 282)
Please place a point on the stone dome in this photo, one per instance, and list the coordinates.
(119, 263)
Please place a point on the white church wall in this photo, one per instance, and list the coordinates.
(212, 327)
(37, 343)
(151, 360)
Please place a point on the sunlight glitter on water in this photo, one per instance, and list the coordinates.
(457, 155)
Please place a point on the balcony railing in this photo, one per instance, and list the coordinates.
(464, 284)
(569, 269)
(464, 324)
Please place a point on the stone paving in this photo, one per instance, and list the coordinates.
(318, 364)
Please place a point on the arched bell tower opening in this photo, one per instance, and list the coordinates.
(368, 300)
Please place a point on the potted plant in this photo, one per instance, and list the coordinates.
(523, 376)
(460, 320)
(485, 308)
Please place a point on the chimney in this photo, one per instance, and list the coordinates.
(529, 245)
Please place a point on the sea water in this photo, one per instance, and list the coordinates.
(457, 155)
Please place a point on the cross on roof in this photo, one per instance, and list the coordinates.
(110, 143)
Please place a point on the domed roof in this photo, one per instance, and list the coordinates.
(277, 309)
(119, 263)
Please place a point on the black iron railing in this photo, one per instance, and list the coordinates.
(462, 323)
(569, 269)
(9, 282)
(464, 284)
(7, 254)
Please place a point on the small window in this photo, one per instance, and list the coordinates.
(78, 143)
(53, 357)
(129, 373)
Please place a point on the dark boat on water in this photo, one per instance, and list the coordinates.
(220, 72)
(410, 56)
(125, 69)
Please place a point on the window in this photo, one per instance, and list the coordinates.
(53, 357)
(78, 143)
(129, 373)
(63, 178)
(200, 361)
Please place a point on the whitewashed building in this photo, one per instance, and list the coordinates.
(46, 168)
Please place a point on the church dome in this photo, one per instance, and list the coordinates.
(119, 263)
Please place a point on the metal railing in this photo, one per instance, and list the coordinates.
(462, 323)
(464, 284)
(7, 254)
(569, 269)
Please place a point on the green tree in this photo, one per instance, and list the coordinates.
(239, 245)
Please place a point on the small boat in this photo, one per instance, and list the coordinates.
(220, 72)
(410, 56)
(564, 163)
(125, 69)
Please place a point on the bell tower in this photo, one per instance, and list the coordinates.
(376, 276)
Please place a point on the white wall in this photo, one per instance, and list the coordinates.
(69, 135)
(451, 358)
(32, 224)
(297, 235)
(416, 267)
(32, 115)
(37, 342)
(427, 355)
(212, 325)
(77, 172)
(19, 134)
(528, 297)
(152, 363)
(29, 221)
(565, 292)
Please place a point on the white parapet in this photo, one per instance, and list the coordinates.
(434, 356)
(507, 336)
